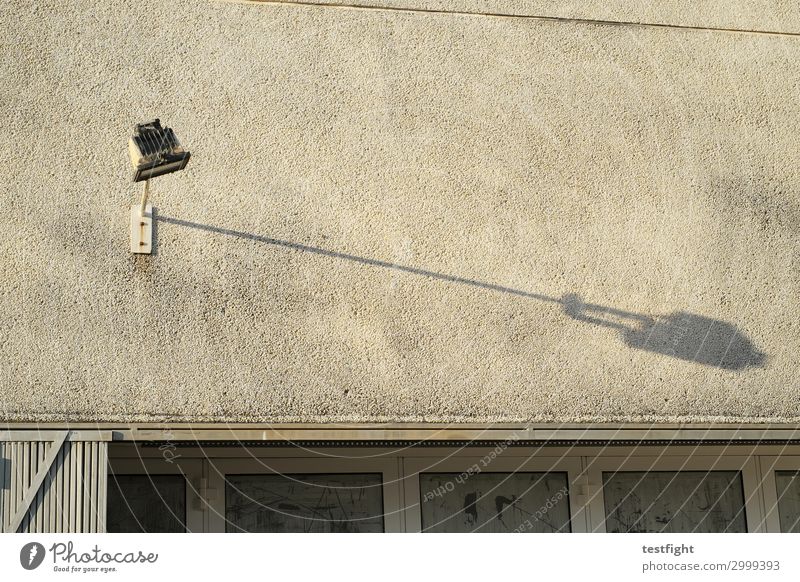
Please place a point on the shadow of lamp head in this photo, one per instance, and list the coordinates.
(681, 335)
(154, 151)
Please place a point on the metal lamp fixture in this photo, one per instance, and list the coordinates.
(154, 151)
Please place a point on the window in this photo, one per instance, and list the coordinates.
(668, 501)
(674, 491)
(146, 504)
(781, 490)
(494, 502)
(304, 503)
(506, 489)
(154, 494)
(788, 489)
(432, 489)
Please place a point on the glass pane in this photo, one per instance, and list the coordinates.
(304, 503)
(788, 484)
(146, 503)
(494, 502)
(670, 501)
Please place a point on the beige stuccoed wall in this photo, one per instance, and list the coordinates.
(380, 203)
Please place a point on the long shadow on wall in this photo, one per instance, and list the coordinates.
(681, 335)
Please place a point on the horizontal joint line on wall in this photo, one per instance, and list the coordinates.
(511, 15)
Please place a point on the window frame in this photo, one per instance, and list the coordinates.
(768, 465)
(745, 464)
(584, 465)
(505, 462)
(191, 469)
(256, 465)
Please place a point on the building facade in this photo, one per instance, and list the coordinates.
(433, 266)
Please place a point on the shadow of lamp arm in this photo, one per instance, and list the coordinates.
(681, 335)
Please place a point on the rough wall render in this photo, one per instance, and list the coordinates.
(401, 216)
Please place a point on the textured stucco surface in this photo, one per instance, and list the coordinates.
(375, 202)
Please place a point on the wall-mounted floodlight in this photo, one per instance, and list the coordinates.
(154, 151)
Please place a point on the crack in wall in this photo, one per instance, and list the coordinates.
(515, 16)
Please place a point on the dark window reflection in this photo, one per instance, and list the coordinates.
(146, 504)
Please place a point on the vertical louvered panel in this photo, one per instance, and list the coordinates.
(26, 474)
(4, 485)
(78, 470)
(41, 513)
(88, 503)
(58, 487)
(72, 495)
(102, 488)
(50, 498)
(73, 489)
(16, 490)
(93, 488)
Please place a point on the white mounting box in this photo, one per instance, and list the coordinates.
(142, 229)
